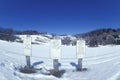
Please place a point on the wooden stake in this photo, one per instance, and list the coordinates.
(55, 65)
(28, 61)
(79, 67)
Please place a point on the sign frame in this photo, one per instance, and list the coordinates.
(27, 45)
(55, 49)
(80, 49)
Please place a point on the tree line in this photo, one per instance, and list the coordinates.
(93, 38)
(101, 37)
(9, 34)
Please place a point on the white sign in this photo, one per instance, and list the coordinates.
(80, 48)
(27, 46)
(55, 49)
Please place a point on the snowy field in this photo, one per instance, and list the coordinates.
(102, 63)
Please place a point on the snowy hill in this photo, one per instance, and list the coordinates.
(103, 36)
(103, 62)
(36, 39)
(43, 39)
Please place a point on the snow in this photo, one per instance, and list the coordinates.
(37, 38)
(102, 63)
(2, 77)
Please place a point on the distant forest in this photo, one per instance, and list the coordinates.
(9, 34)
(93, 38)
(101, 36)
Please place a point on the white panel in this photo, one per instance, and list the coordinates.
(55, 49)
(27, 46)
(80, 48)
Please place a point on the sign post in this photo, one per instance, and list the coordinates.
(27, 50)
(80, 53)
(55, 53)
(28, 61)
(55, 65)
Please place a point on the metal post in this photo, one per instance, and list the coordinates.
(28, 61)
(55, 65)
(79, 67)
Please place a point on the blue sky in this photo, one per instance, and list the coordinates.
(60, 16)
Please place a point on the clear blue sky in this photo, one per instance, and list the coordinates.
(60, 16)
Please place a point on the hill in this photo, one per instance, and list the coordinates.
(93, 38)
(101, 36)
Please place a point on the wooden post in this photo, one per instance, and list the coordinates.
(55, 53)
(55, 65)
(27, 49)
(79, 67)
(80, 54)
(28, 61)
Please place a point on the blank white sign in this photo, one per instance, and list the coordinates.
(55, 49)
(27, 46)
(80, 48)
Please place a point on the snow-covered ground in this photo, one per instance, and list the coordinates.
(102, 63)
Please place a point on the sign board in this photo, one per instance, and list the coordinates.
(55, 49)
(27, 46)
(80, 48)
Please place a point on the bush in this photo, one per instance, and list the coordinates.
(93, 42)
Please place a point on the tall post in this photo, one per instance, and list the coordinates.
(55, 53)
(27, 50)
(55, 65)
(79, 67)
(80, 53)
(28, 61)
